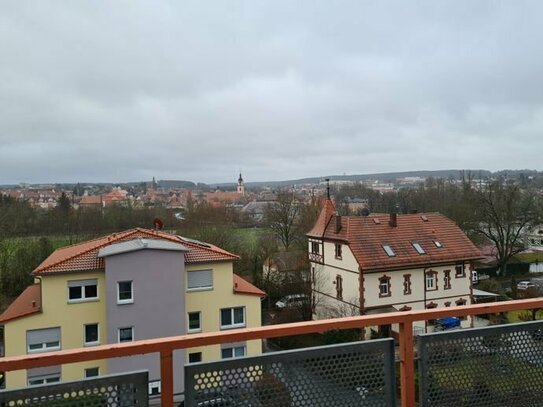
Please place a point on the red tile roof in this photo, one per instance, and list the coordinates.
(323, 220)
(242, 286)
(29, 302)
(84, 256)
(366, 236)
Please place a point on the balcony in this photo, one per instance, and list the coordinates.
(498, 365)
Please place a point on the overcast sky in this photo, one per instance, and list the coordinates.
(197, 90)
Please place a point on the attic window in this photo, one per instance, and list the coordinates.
(376, 221)
(424, 218)
(438, 244)
(389, 250)
(418, 247)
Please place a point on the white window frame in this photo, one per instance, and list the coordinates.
(195, 353)
(232, 313)
(386, 284)
(233, 349)
(82, 284)
(154, 384)
(431, 277)
(389, 250)
(438, 244)
(199, 329)
(97, 342)
(128, 300)
(119, 334)
(92, 368)
(43, 379)
(200, 288)
(44, 346)
(420, 250)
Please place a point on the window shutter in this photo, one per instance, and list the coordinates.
(42, 336)
(200, 279)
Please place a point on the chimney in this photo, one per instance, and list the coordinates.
(338, 223)
(393, 219)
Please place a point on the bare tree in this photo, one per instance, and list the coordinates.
(281, 217)
(504, 212)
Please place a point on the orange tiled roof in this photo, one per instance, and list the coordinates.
(29, 302)
(84, 256)
(323, 220)
(366, 236)
(90, 200)
(242, 286)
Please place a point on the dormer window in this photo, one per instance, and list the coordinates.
(438, 244)
(389, 250)
(418, 247)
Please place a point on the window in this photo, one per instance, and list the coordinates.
(384, 286)
(339, 287)
(431, 280)
(418, 247)
(438, 244)
(44, 379)
(315, 247)
(232, 317)
(236, 351)
(91, 334)
(82, 290)
(43, 340)
(338, 250)
(154, 387)
(92, 372)
(389, 250)
(194, 322)
(459, 270)
(195, 357)
(126, 334)
(200, 280)
(125, 292)
(447, 279)
(406, 284)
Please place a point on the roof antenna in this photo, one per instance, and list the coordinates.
(327, 188)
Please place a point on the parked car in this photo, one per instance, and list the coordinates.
(290, 301)
(524, 285)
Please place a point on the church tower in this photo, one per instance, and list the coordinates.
(241, 186)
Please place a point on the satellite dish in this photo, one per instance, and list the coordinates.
(158, 224)
(365, 212)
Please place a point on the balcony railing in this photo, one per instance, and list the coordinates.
(166, 346)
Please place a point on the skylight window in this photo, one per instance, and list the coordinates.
(389, 250)
(438, 244)
(418, 248)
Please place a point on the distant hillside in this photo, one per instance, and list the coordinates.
(176, 184)
(383, 177)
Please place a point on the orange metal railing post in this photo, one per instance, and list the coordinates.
(166, 378)
(407, 364)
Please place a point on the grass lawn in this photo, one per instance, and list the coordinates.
(464, 375)
(514, 316)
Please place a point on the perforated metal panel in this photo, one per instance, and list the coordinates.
(492, 366)
(122, 390)
(356, 374)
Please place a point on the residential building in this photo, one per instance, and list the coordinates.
(128, 286)
(286, 267)
(383, 263)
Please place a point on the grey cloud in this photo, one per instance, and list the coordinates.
(127, 90)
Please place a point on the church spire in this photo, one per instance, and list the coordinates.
(241, 186)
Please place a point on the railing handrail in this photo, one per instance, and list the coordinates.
(169, 344)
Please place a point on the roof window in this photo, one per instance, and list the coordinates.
(424, 218)
(438, 244)
(389, 250)
(418, 247)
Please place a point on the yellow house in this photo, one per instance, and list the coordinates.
(134, 285)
